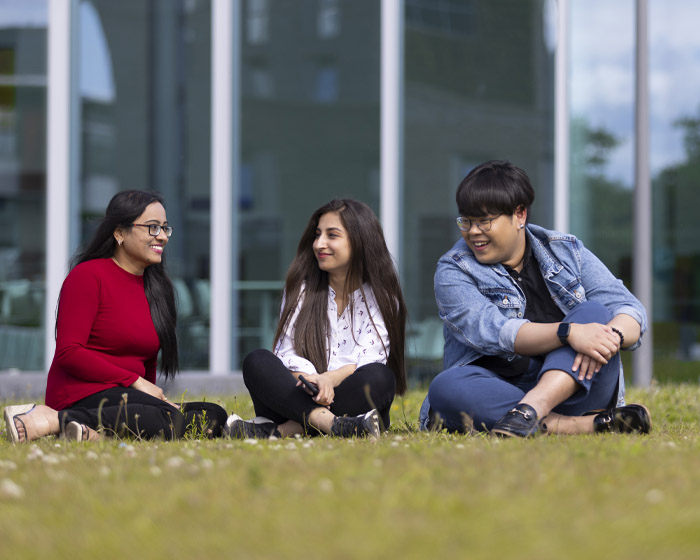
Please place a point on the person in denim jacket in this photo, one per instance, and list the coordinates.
(533, 323)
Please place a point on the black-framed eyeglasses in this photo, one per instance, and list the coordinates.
(155, 229)
(484, 224)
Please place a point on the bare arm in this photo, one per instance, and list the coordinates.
(594, 343)
(628, 326)
(534, 339)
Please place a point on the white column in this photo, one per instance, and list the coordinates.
(61, 16)
(391, 144)
(643, 358)
(561, 120)
(224, 172)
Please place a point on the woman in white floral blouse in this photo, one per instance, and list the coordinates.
(338, 355)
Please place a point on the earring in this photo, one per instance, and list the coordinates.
(119, 242)
(521, 227)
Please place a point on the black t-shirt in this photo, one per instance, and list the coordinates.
(539, 308)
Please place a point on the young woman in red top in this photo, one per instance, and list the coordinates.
(116, 311)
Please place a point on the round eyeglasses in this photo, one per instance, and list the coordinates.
(155, 229)
(483, 224)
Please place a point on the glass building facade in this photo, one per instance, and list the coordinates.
(304, 111)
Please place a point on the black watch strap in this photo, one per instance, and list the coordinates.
(563, 333)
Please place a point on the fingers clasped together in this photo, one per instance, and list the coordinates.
(595, 345)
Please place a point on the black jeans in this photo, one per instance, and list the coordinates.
(128, 411)
(276, 396)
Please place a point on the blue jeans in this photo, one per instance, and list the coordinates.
(486, 396)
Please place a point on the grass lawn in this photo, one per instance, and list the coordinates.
(407, 495)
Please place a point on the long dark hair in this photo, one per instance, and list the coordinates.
(370, 263)
(121, 212)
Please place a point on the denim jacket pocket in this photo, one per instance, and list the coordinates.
(570, 294)
(502, 298)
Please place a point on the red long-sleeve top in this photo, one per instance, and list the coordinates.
(105, 334)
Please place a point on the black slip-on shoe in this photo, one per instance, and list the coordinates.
(629, 419)
(520, 421)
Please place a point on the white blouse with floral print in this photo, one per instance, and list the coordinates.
(365, 347)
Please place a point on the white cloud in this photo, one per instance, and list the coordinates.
(603, 79)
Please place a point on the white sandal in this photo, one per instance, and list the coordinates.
(75, 431)
(13, 413)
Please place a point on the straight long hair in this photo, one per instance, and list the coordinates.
(370, 263)
(121, 212)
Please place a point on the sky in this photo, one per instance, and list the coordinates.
(23, 13)
(602, 74)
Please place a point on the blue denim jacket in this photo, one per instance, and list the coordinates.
(476, 301)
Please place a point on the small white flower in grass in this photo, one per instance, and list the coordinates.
(50, 459)
(251, 441)
(190, 453)
(290, 445)
(35, 453)
(8, 465)
(174, 462)
(460, 446)
(307, 444)
(394, 444)
(9, 489)
(669, 444)
(104, 471)
(155, 471)
(325, 485)
(56, 475)
(398, 438)
(207, 464)
(57, 445)
(130, 451)
(655, 496)
(91, 455)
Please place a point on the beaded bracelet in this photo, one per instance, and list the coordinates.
(618, 333)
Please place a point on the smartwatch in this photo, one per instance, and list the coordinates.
(563, 332)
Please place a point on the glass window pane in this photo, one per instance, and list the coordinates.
(602, 130)
(310, 133)
(674, 80)
(479, 86)
(145, 105)
(22, 183)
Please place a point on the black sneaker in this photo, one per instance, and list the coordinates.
(362, 425)
(633, 418)
(520, 421)
(257, 428)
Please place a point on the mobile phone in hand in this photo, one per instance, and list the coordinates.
(310, 386)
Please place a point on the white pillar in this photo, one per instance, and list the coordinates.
(59, 111)
(391, 143)
(225, 118)
(561, 120)
(643, 357)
